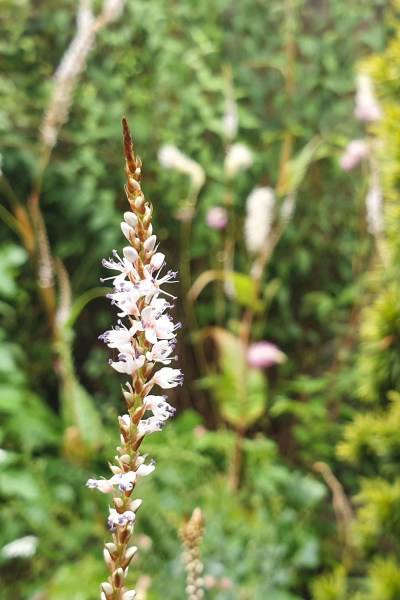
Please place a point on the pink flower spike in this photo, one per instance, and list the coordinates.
(217, 217)
(264, 354)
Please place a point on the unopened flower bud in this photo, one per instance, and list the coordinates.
(129, 595)
(133, 183)
(157, 261)
(139, 202)
(103, 596)
(127, 230)
(150, 243)
(130, 553)
(135, 505)
(130, 254)
(111, 547)
(118, 503)
(115, 470)
(107, 589)
(126, 459)
(131, 219)
(118, 577)
(107, 558)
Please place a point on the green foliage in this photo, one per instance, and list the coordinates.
(370, 441)
(240, 390)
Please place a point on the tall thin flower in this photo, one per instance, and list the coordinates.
(143, 337)
(73, 64)
(260, 207)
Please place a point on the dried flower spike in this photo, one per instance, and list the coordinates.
(191, 533)
(144, 337)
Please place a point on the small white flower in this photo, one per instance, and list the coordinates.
(145, 470)
(103, 485)
(160, 352)
(123, 265)
(167, 378)
(156, 326)
(120, 337)
(124, 481)
(21, 548)
(116, 519)
(259, 217)
(127, 363)
(150, 425)
(161, 409)
(239, 158)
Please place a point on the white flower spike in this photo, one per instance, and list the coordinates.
(145, 339)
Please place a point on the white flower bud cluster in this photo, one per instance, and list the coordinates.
(238, 158)
(260, 207)
(73, 63)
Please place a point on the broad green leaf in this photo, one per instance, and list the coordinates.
(297, 166)
(80, 412)
(240, 390)
(245, 287)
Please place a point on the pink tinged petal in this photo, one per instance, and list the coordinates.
(354, 153)
(264, 354)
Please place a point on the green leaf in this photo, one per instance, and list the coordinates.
(240, 391)
(80, 412)
(245, 289)
(297, 167)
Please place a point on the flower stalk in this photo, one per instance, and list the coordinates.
(144, 338)
(191, 534)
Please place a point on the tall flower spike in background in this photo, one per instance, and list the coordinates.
(144, 337)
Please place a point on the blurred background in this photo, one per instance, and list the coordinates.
(270, 137)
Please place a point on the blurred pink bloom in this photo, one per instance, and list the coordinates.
(264, 354)
(199, 431)
(354, 153)
(217, 217)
